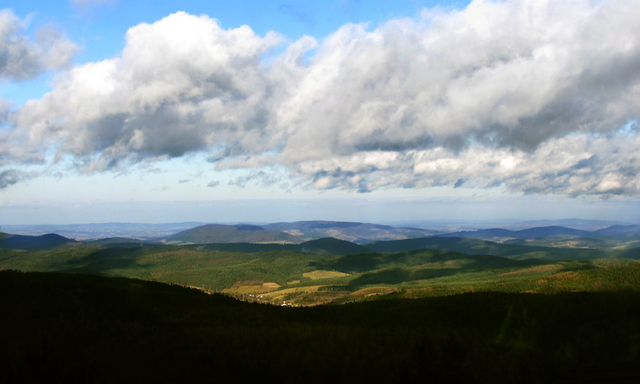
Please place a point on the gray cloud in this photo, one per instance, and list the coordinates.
(213, 183)
(21, 58)
(9, 177)
(529, 95)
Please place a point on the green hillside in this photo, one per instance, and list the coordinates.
(299, 278)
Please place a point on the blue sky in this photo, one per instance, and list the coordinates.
(159, 111)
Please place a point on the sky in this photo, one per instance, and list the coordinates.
(265, 111)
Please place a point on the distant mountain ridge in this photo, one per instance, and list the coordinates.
(355, 232)
(324, 246)
(472, 246)
(530, 233)
(219, 233)
(630, 232)
(33, 243)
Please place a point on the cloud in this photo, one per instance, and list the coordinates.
(10, 177)
(5, 109)
(529, 95)
(574, 166)
(23, 59)
(213, 183)
(168, 94)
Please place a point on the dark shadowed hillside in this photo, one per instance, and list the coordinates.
(76, 328)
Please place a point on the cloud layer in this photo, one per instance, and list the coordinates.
(532, 95)
(21, 58)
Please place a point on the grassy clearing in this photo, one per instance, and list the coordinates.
(277, 295)
(320, 274)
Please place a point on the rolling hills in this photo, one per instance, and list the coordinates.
(616, 236)
(483, 247)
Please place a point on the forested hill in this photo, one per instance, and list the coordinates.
(79, 328)
(630, 232)
(219, 233)
(483, 247)
(48, 241)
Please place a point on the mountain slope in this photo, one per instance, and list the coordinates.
(218, 233)
(619, 231)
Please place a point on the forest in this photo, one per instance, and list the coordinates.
(87, 328)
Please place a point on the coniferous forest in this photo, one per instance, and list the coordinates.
(85, 328)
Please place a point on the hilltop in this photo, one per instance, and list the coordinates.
(48, 241)
(219, 233)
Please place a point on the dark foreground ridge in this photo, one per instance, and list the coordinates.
(83, 328)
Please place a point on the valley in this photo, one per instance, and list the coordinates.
(254, 264)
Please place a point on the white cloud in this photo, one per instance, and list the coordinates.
(21, 58)
(526, 94)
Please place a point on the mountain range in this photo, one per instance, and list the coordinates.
(355, 232)
(333, 238)
(619, 232)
